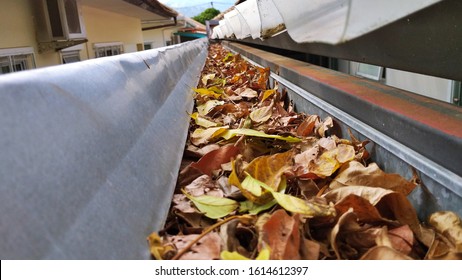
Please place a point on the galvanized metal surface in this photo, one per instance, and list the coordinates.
(426, 42)
(382, 115)
(89, 153)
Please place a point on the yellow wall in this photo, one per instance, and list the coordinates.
(104, 27)
(18, 30)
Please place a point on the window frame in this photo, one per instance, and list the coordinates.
(103, 49)
(18, 57)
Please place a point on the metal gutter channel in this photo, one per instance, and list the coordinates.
(90, 152)
(407, 130)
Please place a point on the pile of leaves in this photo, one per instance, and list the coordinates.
(260, 181)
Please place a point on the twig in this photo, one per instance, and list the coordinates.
(204, 233)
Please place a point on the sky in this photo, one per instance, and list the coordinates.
(192, 8)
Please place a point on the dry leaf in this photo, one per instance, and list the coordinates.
(202, 136)
(207, 248)
(281, 233)
(214, 159)
(159, 250)
(384, 253)
(354, 173)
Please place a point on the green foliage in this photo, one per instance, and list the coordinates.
(206, 15)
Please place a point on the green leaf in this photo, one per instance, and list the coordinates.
(228, 57)
(216, 89)
(296, 205)
(251, 132)
(253, 208)
(212, 206)
(252, 185)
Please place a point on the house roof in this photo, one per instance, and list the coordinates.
(155, 7)
(145, 10)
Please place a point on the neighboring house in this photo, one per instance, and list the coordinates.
(163, 33)
(38, 33)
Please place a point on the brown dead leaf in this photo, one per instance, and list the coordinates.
(214, 159)
(323, 127)
(384, 253)
(207, 248)
(262, 114)
(364, 210)
(346, 223)
(309, 250)
(281, 233)
(203, 185)
(391, 205)
(354, 173)
(306, 128)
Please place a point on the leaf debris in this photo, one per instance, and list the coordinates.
(262, 181)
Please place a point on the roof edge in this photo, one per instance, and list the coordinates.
(154, 6)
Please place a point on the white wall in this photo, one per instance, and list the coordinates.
(434, 87)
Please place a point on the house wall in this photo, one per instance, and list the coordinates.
(105, 27)
(18, 30)
(159, 37)
(434, 87)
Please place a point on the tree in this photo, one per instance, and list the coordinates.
(206, 15)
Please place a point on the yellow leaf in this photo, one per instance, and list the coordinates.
(232, 256)
(203, 136)
(267, 170)
(331, 160)
(206, 92)
(216, 89)
(202, 121)
(263, 255)
(267, 93)
(204, 109)
(251, 132)
(296, 205)
(158, 250)
(212, 206)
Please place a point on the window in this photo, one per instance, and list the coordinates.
(148, 46)
(108, 49)
(70, 56)
(17, 59)
(372, 72)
